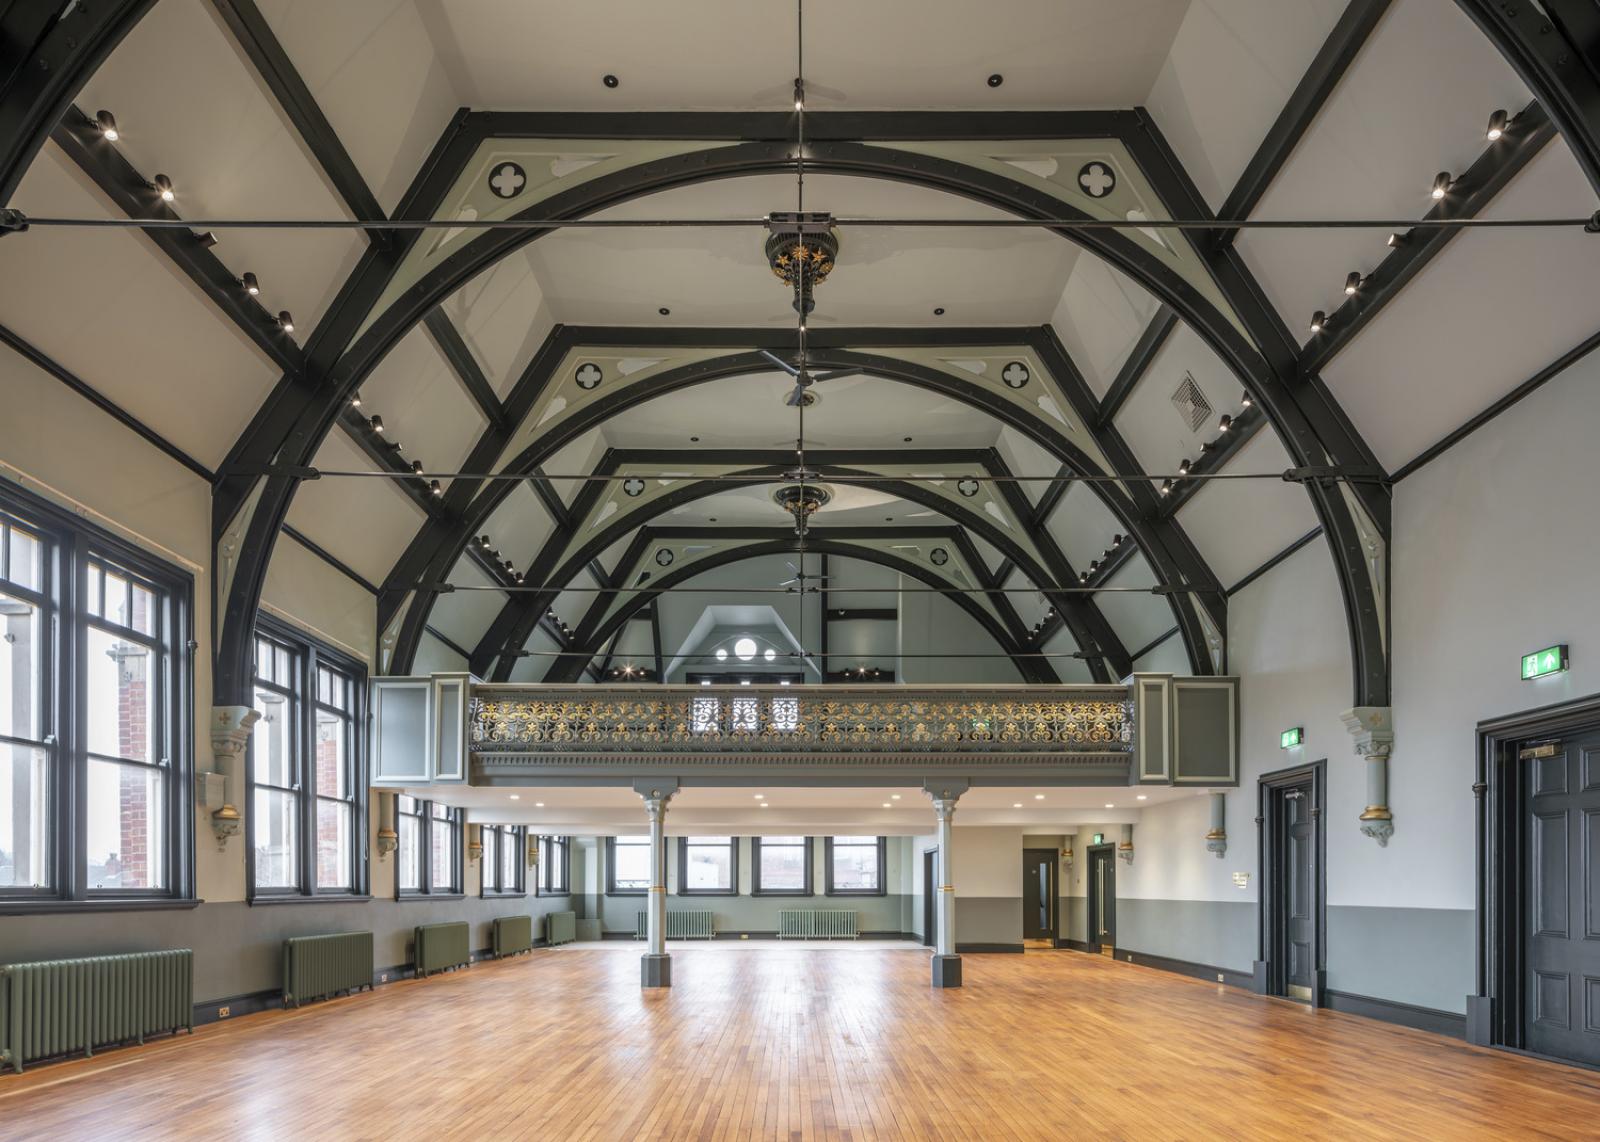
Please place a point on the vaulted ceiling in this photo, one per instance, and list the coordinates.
(1064, 376)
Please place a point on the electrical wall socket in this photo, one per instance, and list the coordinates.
(383, 978)
(224, 1011)
(1219, 977)
(744, 935)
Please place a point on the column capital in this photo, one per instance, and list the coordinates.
(1372, 727)
(944, 795)
(656, 793)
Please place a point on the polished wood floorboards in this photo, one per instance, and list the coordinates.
(783, 1042)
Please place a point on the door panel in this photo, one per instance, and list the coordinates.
(1562, 906)
(1038, 895)
(1300, 905)
(1102, 902)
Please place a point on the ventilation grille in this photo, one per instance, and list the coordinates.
(1191, 403)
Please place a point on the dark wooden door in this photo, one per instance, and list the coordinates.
(1563, 901)
(1039, 894)
(1102, 900)
(1298, 887)
(930, 898)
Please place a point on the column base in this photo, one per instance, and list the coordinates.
(655, 971)
(946, 971)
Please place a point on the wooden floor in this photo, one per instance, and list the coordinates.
(776, 1042)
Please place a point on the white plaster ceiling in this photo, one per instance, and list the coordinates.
(733, 55)
(611, 811)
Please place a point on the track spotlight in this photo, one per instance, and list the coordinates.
(1184, 466)
(355, 399)
(108, 126)
(416, 467)
(251, 286)
(483, 542)
(518, 575)
(377, 424)
(1396, 241)
(1352, 282)
(1497, 125)
(1225, 423)
(511, 568)
(1319, 321)
(1246, 402)
(1083, 576)
(1166, 487)
(206, 239)
(799, 95)
(1116, 541)
(163, 186)
(438, 489)
(1441, 184)
(285, 322)
(551, 613)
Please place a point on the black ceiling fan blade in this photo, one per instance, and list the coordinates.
(792, 370)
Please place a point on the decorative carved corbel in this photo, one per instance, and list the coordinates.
(1373, 730)
(1125, 849)
(230, 736)
(388, 839)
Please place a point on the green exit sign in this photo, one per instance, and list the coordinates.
(1291, 738)
(1099, 838)
(1550, 660)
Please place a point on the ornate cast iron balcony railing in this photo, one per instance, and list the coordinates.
(1156, 729)
(525, 727)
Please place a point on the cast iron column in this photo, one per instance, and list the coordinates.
(946, 964)
(656, 969)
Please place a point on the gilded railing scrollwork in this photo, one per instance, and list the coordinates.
(558, 720)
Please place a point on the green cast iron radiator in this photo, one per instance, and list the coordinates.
(560, 928)
(315, 967)
(680, 925)
(441, 946)
(810, 924)
(512, 934)
(59, 1006)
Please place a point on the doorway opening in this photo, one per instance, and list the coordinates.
(1293, 901)
(1103, 899)
(1539, 884)
(1039, 898)
(930, 898)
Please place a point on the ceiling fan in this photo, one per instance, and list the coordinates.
(803, 379)
(800, 579)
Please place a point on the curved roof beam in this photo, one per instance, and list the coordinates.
(54, 56)
(559, 563)
(1240, 327)
(430, 557)
(603, 621)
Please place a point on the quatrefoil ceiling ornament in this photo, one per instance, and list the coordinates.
(938, 557)
(664, 557)
(1097, 179)
(633, 486)
(507, 180)
(588, 376)
(1016, 374)
(968, 487)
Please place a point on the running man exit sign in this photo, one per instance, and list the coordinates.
(1291, 738)
(1550, 660)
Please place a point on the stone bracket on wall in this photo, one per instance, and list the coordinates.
(230, 735)
(1373, 730)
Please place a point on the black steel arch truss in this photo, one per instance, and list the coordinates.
(346, 346)
(598, 626)
(557, 565)
(435, 549)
